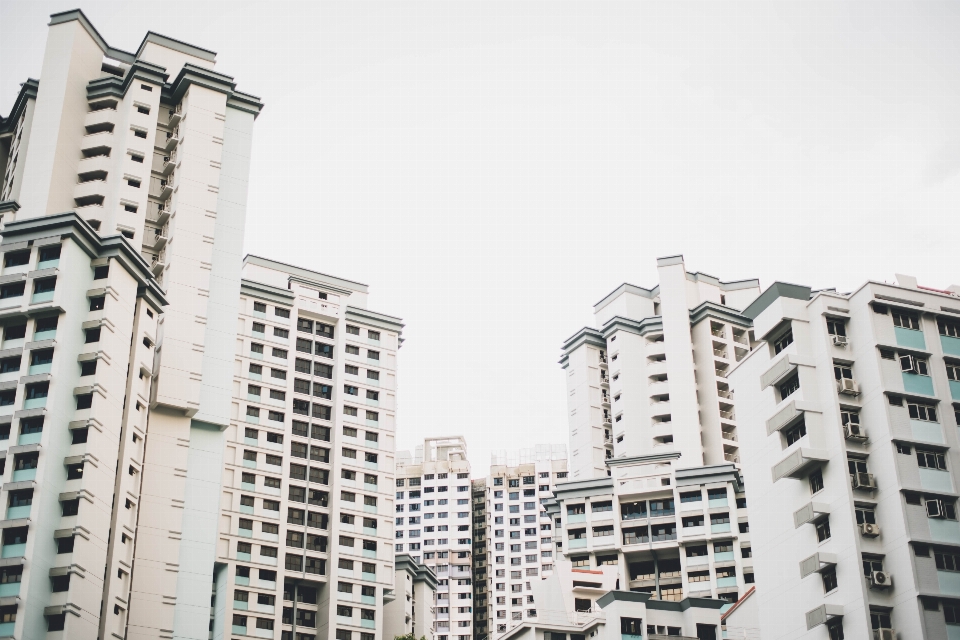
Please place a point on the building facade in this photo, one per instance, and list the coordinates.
(655, 488)
(513, 535)
(849, 410)
(433, 526)
(652, 378)
(306, 511)
(583, 603)
(126, 308)
(412, 610)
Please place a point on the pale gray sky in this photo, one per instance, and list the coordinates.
(493, 169)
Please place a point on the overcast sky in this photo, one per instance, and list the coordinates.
(493, 169)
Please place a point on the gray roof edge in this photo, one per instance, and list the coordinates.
(304, 273)
(587, 335)
(729, 314)
(655, 457)
(626, 287)
(177, 45)
(366, 314)
(775, 291)
(78, 15)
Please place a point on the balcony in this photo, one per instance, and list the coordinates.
(176, 114)
(172, 139)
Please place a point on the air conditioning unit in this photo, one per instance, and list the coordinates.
(868, 530)
(864, 481)
(854, 432)
(881, 580)
(848, 387)
(839, 341)
(884, 634)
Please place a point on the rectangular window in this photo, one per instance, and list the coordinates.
(931, 460)
(918, 411)
(783, 341)
(905, 320)
(794, 433)
(789, 386)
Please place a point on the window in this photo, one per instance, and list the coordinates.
(953, 372)
(829, 577)
(879, 620)
(279, 353)
(931, 460)
(912, 364)
(949, 328)
(947, 561)
(842, 372)
(836, 327)
(351, 370)
(373, 355)
(906, 320)
(888, 354)
(816, 482)
(918, 411)
(866, 515)
(281, 313)
(871, 564)
(373, 375)
(783, 341)
(823, 529)
(789, 386)
(352, 350)
(794, 433)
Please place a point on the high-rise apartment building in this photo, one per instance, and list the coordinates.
(305, 546)
(411, 609)
(849, 410)
(655, 488)
(124, 179)
(652, 377)
(433, 526)
(513, 535)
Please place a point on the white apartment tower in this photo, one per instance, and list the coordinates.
(655, 488)
(124, 179)
(849, 410)
(433, 526)
(513, 535)
(306, 510)
(652, 377)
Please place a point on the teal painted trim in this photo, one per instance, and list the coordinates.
(720, 528)
(909, 338)
(577, 544)
(723, 556)
(652, 324)
(936, 480)
(719, 312)
(944, 530)
(926, 431)
(953, 631)
(726, 582)
(18, 512)
(23, 475)
(950, 345)
(30, 438)
(913, 383)
(9, 589)
(13, 550)
(949, 582)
